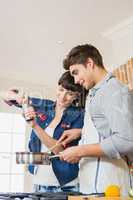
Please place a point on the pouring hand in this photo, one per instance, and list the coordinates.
(30, 116)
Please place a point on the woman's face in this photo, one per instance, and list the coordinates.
(65, 97)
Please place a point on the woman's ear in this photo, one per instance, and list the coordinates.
(77, 99)
(77, 95)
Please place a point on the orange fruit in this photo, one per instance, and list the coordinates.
(112, 191)
(130, 192)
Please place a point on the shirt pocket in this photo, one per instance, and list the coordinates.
(101, 124)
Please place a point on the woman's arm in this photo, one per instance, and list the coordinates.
(41, 133)
(47, 140)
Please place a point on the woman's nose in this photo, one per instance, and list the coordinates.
(63, 95)
(76, 80)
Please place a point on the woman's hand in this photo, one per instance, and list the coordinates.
(30, 116)
(69, 135)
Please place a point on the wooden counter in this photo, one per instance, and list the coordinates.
(97, 198)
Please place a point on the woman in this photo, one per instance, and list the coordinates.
(50, 120)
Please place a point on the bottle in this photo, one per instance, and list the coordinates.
(12, 101)
(25, 106)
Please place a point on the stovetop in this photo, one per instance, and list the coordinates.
(37, 196)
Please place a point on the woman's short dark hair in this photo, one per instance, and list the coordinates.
(67, 82)
(80, 54)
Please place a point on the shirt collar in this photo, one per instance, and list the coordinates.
(93, 90)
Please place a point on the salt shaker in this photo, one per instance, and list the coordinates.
(25, 106)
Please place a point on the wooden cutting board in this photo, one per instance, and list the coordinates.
(97, 198)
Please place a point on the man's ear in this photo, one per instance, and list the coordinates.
(90, 63)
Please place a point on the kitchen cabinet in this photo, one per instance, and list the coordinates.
(97, 198)
(124, 73)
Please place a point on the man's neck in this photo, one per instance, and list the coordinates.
(100, 74)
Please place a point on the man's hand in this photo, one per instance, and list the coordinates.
(71, 154)
(74, 154)
(69, 135)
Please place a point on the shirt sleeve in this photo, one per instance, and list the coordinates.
(119, 113)
(36, 102)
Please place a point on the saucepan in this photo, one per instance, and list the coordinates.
(41, 158)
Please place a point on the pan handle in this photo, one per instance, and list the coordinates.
(54, 156)
(53, 147)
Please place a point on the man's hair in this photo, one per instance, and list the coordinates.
(67, 82)
(80, 54)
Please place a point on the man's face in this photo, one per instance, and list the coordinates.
(83, 75)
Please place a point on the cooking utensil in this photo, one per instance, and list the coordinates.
(53, 147)
(41, 158)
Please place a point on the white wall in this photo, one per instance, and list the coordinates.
(42, 91)
(120, 38)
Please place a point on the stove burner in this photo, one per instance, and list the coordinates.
(37, 196)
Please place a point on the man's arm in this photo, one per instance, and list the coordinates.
(120, 118)
(120, 142)
(74, 154)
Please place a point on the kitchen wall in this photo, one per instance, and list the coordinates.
(120, 43)
(42, 91)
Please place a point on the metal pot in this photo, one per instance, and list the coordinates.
(41, 158)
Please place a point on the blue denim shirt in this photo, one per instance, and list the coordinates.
(72, 118)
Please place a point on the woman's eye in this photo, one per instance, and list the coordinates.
(71, 94)
(61, 90)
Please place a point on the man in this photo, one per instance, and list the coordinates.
(107, 137)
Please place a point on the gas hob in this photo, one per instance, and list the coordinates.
(37, 196)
